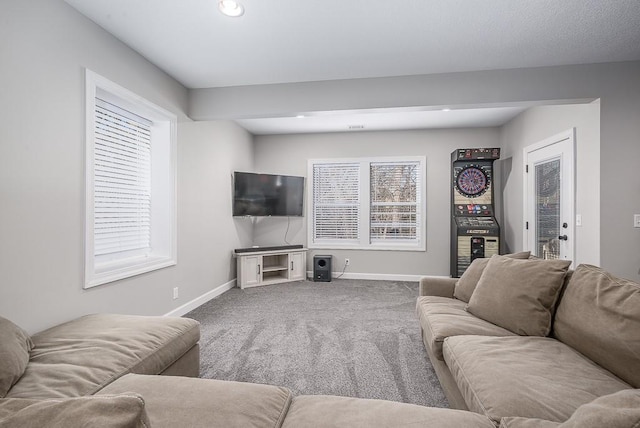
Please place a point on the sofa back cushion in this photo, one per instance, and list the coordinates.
(519, 295)
(469, 280)
(599, 316)
(107, 411)
(619, 410)
(15, 345)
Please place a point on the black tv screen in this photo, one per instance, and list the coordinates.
(267, 194)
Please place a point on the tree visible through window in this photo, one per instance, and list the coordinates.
(394, 201)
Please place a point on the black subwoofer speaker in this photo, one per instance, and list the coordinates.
(322, 268)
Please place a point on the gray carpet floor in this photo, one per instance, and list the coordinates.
(347, 337)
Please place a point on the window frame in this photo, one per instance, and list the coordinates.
(163, 251)
(364, 225)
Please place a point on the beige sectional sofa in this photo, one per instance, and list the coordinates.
(518, 338)
(110, 370)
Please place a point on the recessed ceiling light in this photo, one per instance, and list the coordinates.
(300, 116)
(231, 8)
(446, 109)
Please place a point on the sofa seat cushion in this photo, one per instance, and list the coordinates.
(322, 411)
(441, 317)
(533, 377)
(80, 357)
(173, 401)
(109, 411)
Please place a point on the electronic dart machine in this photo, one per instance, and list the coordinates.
(475, 232)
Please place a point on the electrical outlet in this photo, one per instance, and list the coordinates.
(175, 293)
(636, 220)
(346, 262)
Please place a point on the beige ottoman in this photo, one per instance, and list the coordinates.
(173, 401)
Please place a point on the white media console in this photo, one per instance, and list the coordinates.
(256, 268)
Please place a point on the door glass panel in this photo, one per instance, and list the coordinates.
(547, 176)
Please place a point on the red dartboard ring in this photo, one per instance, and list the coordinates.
(472, 181)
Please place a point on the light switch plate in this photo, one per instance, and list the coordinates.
(578, 219)
(636, 220)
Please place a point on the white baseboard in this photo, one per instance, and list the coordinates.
(373, 276)
(198, 301)
(189, 306)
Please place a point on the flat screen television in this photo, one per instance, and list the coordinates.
(267, 194)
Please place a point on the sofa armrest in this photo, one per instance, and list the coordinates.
(437, 286)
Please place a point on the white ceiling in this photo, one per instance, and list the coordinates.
(281, 41)
(307, 40)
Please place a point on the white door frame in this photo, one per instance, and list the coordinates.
(570, 171)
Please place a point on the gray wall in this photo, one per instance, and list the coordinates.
(288, 154)
(208, 153)
(616, 84)
(533, 126)
(44, 47)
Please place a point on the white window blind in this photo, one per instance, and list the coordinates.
(122, 177)
(395, 201)
(336, 201)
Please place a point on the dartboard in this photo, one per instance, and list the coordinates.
(472, 181)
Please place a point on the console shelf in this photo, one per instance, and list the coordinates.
(270, 267)
(273, 268)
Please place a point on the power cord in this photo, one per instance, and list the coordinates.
(285, 233)
(343, 270)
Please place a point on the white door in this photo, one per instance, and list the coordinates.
(550, 197)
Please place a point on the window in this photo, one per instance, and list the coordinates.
(130, 184)
(367, 203)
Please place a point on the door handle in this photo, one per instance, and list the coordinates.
(291, 265)
(258, 269)
(563, 237)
